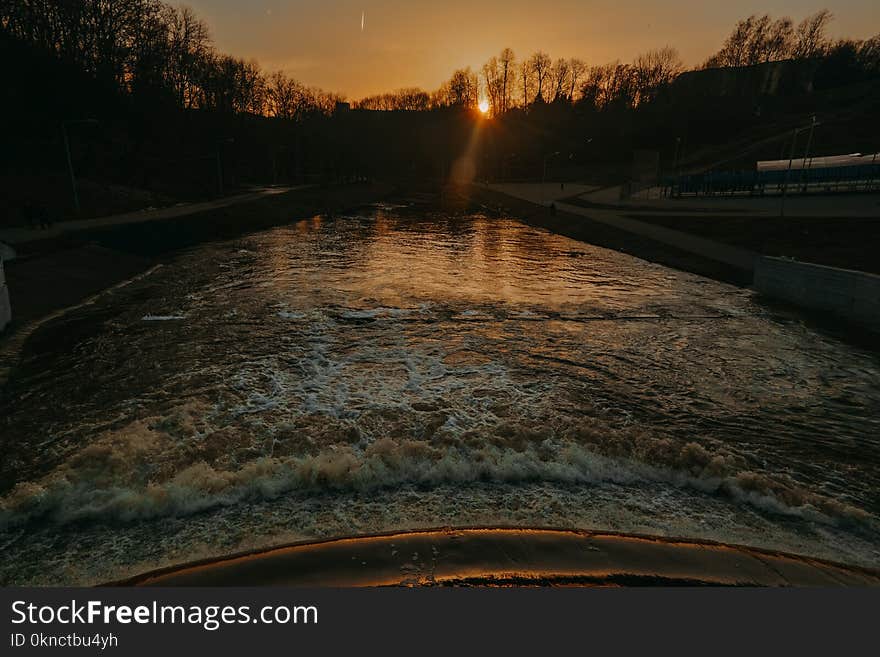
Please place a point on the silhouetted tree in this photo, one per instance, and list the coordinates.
(777, 41)
(869, 54)
(507, 62)
(756, 40)
(410, 99)
(609, 86)
(559, 79)
(540, 64)
(493, 82)
(653, 70)
(231, 85)
(461, 90)
(577, 69)
(760, 39)
(810, 36)
(527, 82)
(189, 49)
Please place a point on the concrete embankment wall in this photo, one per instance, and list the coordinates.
(683, 252)
(850, 295)
(162, 236)
(63, 271)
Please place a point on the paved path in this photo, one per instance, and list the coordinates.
(551, 192)
(21, 235)
(840, 204)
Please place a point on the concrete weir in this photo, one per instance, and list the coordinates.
(509, 557)
(850, 295)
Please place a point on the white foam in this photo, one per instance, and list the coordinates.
(72, 494)
(162, 318)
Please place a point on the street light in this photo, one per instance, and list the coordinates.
(64, 125)
(794, 136)
(544, 174)
(813, 125)
(675, 160)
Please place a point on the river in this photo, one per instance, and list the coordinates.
(402, 368)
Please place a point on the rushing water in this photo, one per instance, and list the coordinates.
(406, 369)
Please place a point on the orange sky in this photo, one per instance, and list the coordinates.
(415, 43)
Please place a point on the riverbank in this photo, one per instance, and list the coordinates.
(729, 249)
(22, 234)
(844, 242)
(610, 237)
(55, 273)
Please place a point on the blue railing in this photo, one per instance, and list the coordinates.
(863, 177)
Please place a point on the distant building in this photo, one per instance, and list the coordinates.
(342, 107)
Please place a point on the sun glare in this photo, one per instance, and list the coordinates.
(484, 106)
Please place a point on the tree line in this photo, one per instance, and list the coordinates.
(507, 83)
(149, 49)
(762, 39)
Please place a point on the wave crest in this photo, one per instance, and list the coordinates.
(94, 485)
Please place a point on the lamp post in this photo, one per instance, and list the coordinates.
(675, 160)
(794, 137)
(70, 171)
(788, 172)
(873, 172)
(813, 125)
(544, 174)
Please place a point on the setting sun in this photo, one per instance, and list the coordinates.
(484, 106)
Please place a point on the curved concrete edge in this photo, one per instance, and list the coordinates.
(508, 557)
(11, 347)
(724, 253)
(729, 255)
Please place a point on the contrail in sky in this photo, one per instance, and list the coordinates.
(363, 20)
